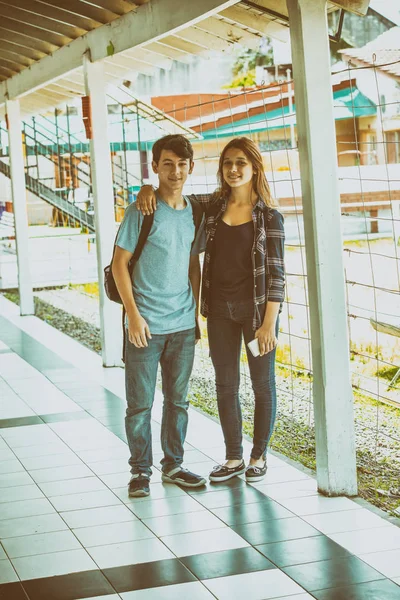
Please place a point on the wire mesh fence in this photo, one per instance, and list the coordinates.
(367, 115)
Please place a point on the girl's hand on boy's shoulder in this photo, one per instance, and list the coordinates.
(146, 201)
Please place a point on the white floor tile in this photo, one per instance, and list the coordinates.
(107, 467)
(21, 492)
(165, 506)
(261, 585)
(284, 475)
(337, 522)
(14, 479)
(98, 516)
(127, 553)
(5, 452)
(113, 533)
(72, 486)
(304, 596)
(52, 460)
(42, 450)
(22, 508)
(369, 540)
(10, 466)
(42, 543)
(84, 500)
(49, 565)
(313, 505)
(100, 455)
(387, 562)
(61, 473)
(109, 597)
(31, 525)
(182, 591)
(200, 542)
(7, 572)
(183, 523)
(157, 491)
(112, 597)
(117, 480)
(3, 555)
(293, 489)
(396, 580)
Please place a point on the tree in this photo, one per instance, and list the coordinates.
(244, 67)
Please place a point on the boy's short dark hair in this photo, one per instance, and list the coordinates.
(175, 142)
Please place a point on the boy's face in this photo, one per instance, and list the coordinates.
(172, 170)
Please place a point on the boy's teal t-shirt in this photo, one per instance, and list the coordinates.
(160, 280)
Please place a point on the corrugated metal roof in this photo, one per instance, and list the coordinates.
(383, 52)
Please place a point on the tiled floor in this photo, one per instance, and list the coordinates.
(69, 531)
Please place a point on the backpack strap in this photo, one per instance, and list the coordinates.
(143, 235)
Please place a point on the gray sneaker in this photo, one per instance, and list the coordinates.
(138, 486)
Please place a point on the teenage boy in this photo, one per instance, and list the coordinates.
(161, 305)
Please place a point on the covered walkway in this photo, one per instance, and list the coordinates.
(68, 529)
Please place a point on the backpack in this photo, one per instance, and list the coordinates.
(109, 281)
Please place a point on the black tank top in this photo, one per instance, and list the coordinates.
(232, 268)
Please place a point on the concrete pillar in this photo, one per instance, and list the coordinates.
(19, 206)
(333, 399)
(110, 313)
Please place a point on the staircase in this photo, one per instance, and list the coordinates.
(73, 212)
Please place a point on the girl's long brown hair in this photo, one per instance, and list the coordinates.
(260, 183)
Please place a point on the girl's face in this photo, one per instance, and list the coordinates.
(237, 169)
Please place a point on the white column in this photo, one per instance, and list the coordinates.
(333, 400)
(18, 191)
(100, 156)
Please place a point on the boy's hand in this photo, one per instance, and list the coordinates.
(138, 331)
(146, 200)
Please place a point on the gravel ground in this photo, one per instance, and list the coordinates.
(377, 425)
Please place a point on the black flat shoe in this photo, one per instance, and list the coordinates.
(254, 473)
(223, 473)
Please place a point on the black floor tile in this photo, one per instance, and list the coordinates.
(253, 512)
(148, 575)
(12, 591)
(231, 497)
(20, 422)
(69, 416)
(332, 573)
(86, 584)
(227, 562)
(305, 550)
(374, 590)
(278, 530)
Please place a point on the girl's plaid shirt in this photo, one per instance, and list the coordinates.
(267, 258)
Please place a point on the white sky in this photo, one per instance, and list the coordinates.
(388, 8)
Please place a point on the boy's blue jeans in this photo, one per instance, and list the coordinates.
(175, 354)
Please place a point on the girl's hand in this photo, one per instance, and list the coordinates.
(146, 200)
(267, 339)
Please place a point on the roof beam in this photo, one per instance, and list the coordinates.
(359, 7)
(262, 25)
(151, 22)
(58, 14)
(30, 18)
